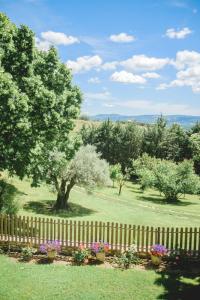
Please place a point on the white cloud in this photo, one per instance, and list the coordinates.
(94, 80)
(186, 58)
(189, 77)
(127, 77)
(122, 38)
(84, 63)
(110, 65)
(188, 64)
(181, 34)
(143, 62)
(150, 75)
(58, 38)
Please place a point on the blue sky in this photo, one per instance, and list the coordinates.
(128, 57)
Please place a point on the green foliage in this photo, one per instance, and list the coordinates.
(117, 143)
(154, 137)
(175, 145)
(195, 148)
(127, 258)
(38, 103)
(27, 253)
(169, 178)
(8, 202)
(81, 255)
(115, 172)
(86, 169)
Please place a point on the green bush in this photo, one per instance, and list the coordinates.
(127, 258)
(81, 255)
(27, 253)
(8, 202)
(169, 178)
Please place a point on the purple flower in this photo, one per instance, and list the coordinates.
(158, 250)
(50, 246)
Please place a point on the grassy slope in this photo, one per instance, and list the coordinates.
(132, 206)
(31, 282)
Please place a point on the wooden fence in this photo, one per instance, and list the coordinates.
(35, 231)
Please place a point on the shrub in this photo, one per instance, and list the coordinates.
(127, 258)
(8, 202)
(81, 254)
(169, 178)
(27, 253)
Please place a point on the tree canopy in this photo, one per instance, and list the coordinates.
(38, 102)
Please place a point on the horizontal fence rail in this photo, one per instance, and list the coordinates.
(35, 231)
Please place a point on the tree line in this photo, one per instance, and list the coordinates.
(123, 142)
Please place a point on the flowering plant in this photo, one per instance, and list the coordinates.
(100, 247)
(50, 246)
(81, 254)
(158, 250)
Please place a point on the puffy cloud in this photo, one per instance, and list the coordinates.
(188, 63)
(94, 80)
(151, 75)
(127, 77)
(181, 34)
(186, 58)
(84, 63)
(58, 38)
(189, 77)
(122, 38)
(143, 62)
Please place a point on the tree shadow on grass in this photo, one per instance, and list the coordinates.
(179, 285)
(160, 200)
(46, 207)
(135, 190)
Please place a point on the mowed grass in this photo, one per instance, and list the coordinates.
(41, 282)
(133, 206)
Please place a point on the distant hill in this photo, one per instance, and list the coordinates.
(185, 121)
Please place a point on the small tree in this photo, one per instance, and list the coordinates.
(85, 169)
(122, 178)
(115, 171)
(171, 179)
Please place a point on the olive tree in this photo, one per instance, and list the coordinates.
(86, 169)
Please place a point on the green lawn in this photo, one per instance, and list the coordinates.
(41, 282)
(22, 281)
(132, 206)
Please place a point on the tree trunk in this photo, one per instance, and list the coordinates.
(63, 195)
(120, 189)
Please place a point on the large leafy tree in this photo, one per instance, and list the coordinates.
(117, 142)
(154, 136)
(195, 147)
(38, 103)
